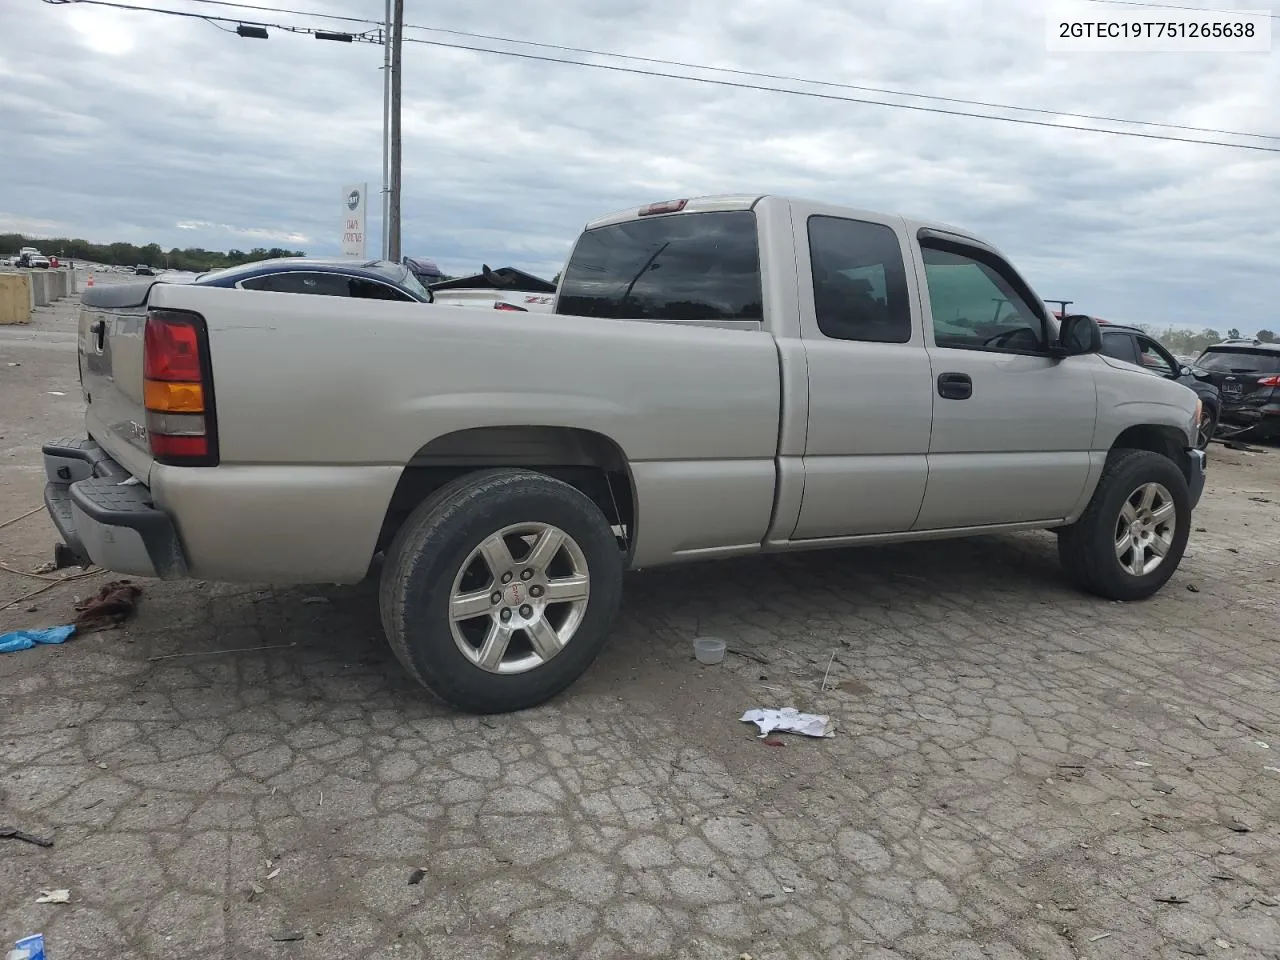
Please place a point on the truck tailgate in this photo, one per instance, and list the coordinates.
(112, 323)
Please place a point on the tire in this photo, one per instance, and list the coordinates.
(436, 560)
(1090, 548)
(1207, 427)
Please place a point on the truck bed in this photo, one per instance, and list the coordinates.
(320, 403)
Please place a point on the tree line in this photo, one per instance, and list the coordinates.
(1189, 343)
(195, 259)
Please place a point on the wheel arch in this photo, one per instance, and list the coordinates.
(1165, 440)
(586, 459)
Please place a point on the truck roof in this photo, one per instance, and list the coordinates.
(718, 202)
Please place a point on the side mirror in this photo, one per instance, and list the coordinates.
(1186, 371)
(1078, 334)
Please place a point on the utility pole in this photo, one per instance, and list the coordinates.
(393, 197)
(386, 126)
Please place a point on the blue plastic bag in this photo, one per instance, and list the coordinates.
(29, 948)
(26, 639)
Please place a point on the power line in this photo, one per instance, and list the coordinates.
(832, 96)
(737, 85)
(368, 36)
(764, 76)
(1170, 6)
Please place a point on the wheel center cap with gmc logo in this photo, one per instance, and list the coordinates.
(515, 595)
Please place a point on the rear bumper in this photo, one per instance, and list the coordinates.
(1194, 468)
(1262, 422)
(105, 516)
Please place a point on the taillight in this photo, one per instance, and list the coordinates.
(499, 305)
(1270, 381)
(178, 389)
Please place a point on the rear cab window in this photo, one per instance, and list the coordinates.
(688, 266)
(859, 281)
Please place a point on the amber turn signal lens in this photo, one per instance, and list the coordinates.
(171, 397)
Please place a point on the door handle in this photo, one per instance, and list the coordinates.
(955, 386)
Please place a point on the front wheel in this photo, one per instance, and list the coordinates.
(1130, 539)
(500, 590)
(1207, 427)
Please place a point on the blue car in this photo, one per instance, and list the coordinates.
(362, 279)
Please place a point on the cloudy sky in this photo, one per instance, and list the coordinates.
(134, 126)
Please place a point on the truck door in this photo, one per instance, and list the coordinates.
(1012, 425)
(869, 379)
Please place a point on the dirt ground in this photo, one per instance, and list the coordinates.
(1019, 771)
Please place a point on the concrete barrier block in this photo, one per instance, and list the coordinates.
(73, 283)
(57, 284)
(15, 298)
(41, 287)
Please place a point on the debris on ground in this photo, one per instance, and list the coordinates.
(853, 686)
(791, 720)
(13, 833)
(112, 606)
(1173, 899)
(417, 877)
(709, 650)
(1193, 588)
(287, 936)
(217, 653)
(47, 567)
(54, 896)
(1238, 826)
(26, 639)
(311, 601)
(28, 948)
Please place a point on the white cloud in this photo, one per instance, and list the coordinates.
(197, 137)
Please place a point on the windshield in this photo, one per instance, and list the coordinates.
(1240, 361)
(406, 278)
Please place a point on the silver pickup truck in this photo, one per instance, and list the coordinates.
(721, 376)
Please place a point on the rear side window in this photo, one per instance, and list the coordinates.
(373, 290)
(696, 266)
(859, 281)
(1240, 361)
(1119, 346)
(324, 284)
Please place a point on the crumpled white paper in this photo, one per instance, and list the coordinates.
(790, 720)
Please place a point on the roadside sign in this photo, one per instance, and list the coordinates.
(353, 208)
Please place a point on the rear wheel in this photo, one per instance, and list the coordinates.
(500, 590)
(1130, 539)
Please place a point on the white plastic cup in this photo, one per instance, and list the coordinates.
(709, 650)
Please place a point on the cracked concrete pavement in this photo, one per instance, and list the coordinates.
(1019, 771)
